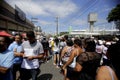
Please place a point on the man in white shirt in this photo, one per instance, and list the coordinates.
(33, 51)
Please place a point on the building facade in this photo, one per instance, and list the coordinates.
(94, 33)
(13, 19)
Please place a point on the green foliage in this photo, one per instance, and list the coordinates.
(63, 33)
(114, 16)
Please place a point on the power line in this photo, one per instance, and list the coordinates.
(84, 7)
(84, 10)
(102, 23)
(79, 11)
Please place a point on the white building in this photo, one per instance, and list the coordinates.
(95, 32)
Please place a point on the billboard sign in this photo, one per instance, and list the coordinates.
(19, 13)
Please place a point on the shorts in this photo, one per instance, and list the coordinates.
(56, 52)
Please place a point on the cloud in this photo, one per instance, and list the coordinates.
(45, 23)
(61, 9)
(45, 7)
(79, 22)
(103, 24)
(28, 6)
(104, 10)
(70, 12)
(102, 20)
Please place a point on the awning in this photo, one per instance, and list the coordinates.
(4, 33)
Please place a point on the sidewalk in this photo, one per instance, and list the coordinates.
(49, 72)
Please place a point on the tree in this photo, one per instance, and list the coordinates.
(114, 16)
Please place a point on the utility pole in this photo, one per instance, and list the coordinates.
(57, 25)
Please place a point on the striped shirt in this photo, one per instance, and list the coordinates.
(6, 59)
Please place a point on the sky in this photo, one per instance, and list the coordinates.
(70, 13)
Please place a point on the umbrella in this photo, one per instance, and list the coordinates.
(4, 33)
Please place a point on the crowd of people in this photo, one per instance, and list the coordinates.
(22, 56)
(78, 58)
(94, 60)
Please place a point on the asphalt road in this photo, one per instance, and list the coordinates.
(49, 72)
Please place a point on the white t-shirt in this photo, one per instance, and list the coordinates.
(31, 50)
(104, 52)
(56, 47)
(99, 48)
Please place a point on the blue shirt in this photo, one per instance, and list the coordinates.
(6, 59)
(18, 47)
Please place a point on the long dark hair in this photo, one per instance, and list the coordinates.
(90, 45)
(56, 40)
(78, 42)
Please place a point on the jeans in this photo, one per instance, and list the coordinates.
(26, 74)
(7, 76)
